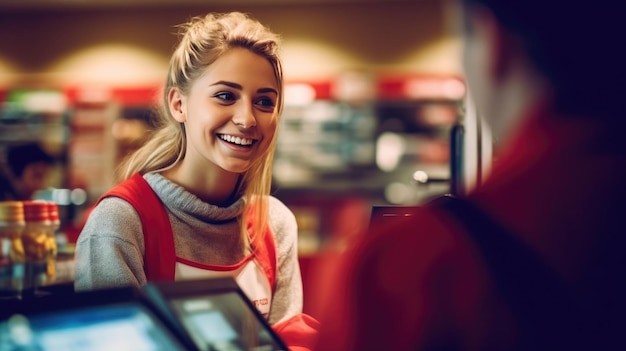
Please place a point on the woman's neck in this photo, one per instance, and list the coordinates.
(212, 185)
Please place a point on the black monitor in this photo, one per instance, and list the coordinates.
(92, 321)
(382, 216)
(215, 314)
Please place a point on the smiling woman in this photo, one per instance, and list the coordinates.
(235, 98)
(205, 178)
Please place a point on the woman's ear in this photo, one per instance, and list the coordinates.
(176, 104)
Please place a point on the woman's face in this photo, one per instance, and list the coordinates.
(229, 113)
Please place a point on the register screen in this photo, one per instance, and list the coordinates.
(219, 322)
(124, 327)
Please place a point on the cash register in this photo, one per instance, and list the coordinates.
(215, 313)
(199, 315)
(112, 319)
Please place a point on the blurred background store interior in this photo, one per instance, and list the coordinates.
(373, 90)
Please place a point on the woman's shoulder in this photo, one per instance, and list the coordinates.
(279, 210)
(282, 220)
(277, 204)
(113, 205)
(112, 216)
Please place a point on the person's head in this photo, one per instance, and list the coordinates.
(225, 79)
(30, 166)
(570, 46)
(232, 59)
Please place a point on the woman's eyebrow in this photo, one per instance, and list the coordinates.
(227, 83)
(239, 87)
(267, 90)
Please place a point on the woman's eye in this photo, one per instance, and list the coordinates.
(266, 102)
(225, 96)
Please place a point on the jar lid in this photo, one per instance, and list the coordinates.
(36, 211)
(53, 211)
(11, 211)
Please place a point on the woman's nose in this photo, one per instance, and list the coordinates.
(244, 116)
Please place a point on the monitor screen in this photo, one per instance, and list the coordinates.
(127, 326)
(216, 316)
(382, 216)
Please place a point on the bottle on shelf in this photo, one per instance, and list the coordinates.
(51, 241)
(38, 247)
(12, 256)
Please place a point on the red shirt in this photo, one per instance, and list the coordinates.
(558, 186)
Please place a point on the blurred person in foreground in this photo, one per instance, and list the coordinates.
(29, 166)
(533, 259)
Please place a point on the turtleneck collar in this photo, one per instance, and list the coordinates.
(184, 203)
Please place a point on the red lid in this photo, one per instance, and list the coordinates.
(53, 211)
(36, 211)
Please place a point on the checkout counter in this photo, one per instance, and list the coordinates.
(207, 315)
(39, 309)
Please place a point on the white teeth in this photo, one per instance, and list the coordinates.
(236, 140)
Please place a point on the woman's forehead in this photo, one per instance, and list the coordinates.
(243, 67)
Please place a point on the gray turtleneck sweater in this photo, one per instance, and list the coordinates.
(110, 248)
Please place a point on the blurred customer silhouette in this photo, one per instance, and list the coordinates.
(533, 259)
(28, 169)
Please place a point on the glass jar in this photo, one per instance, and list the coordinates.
(51, 242)
(36, 245)
(12, 256)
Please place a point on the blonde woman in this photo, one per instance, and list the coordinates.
(209, 164)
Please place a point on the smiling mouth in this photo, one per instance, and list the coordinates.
(236, 140)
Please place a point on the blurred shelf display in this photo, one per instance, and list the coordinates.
(323, 138)
(92, 148)
(87, 131)
(41, 116)
(361, 134)
(347, 145)
(354, 141)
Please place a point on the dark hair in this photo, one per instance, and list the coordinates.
(23, 155)
(576, 45)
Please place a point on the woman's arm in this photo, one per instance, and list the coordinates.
(287, 299)
(109, 250)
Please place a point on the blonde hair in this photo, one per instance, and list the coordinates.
(203, 40)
